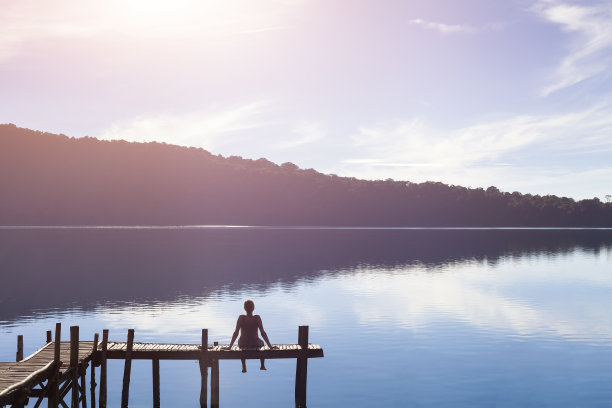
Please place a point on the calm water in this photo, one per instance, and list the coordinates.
(422, 318)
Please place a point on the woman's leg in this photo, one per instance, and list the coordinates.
(263, 364)
(243, 361)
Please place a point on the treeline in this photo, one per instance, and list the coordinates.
(48, 179)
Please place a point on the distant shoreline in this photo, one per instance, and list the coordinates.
(287, 227)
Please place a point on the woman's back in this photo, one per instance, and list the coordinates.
(249, 326)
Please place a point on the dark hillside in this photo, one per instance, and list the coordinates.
(48, 179)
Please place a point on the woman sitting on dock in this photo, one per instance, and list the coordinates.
(248, 325)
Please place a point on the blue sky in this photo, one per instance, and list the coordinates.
(515, 94)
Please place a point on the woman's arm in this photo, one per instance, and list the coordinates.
(262, 331)
(235, 335)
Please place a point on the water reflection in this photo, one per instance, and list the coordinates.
(63, 269)
(436, 318)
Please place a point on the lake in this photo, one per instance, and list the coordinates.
(407, 317)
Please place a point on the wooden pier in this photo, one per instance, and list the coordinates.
(59, 368)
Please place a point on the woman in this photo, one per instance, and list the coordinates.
(248, 325)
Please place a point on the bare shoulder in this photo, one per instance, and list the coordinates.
(258, 317)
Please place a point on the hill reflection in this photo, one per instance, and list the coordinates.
(58, 269)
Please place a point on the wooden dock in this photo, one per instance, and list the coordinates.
(59, 368)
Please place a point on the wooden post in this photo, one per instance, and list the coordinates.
(156, 399)
(214, 381)
(19, 355)
(74, 364)
(125, 392)
(301, 368)
(49, 338)
(54, 379)
(82, 387)
(93, 371)
(204, 364)
(103, 369)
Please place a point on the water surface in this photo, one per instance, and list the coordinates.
(423, 318)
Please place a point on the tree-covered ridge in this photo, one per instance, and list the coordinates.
(49, 179)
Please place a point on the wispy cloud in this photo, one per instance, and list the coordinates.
(499, 152)
(415, 143)
(208, 128)
(444, 28)
(306, 132)
(591, 26)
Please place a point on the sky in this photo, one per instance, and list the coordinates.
(514, 93)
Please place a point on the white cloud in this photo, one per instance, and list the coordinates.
(415, 143)
(528, 153)
(443, 28)
(454, 28)
(592, 39)
(207, 128)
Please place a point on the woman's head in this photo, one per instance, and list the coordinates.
(249, 306)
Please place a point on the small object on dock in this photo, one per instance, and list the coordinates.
(19, 355)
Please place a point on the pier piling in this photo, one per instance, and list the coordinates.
(74, 364)
(103, 368)
(204, 370)
(127, 369)
(301, 368)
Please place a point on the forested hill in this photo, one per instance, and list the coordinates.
(48, 179)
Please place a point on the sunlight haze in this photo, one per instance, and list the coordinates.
(515, 94)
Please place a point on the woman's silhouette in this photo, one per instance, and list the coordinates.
(248, 325)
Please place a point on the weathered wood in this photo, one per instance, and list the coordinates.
(156, 396)
(19, 355)
(54, 392)
(214, 382)
(301, 368)
(204, 370)
(103, 369)
(74, 364)
(236, 353)
(125, 392)
(93, 372)
(49, 338)
(82, 389)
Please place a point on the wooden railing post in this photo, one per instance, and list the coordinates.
(93, 371)
(204, 370)
(74, 364)
(49, 338)
(127, 369)
(19, 354)
(103, 369)
(54, 395)
(301, 368)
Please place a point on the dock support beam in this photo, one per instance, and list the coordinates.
(156, 399)
(127, 369)
(19, 355)
(54, 380)
(214, 381)
(74, 364)
(301, 369)
(103, 369)
(93, 372)
(49, 338)
(204, 371)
